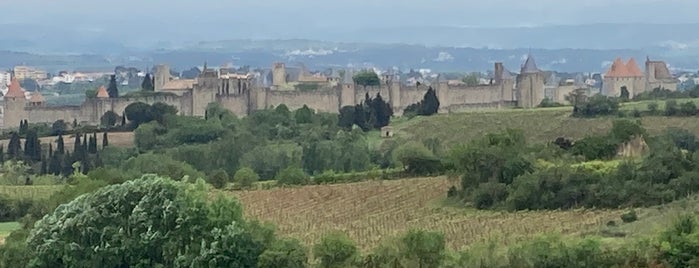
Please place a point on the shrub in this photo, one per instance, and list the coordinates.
(671, 108)
(629, 216)
(292, 176)
(653, 108)
(183, 225)
(245, 177)
(335, 250)
(284, 253)
(488, 194)
(219, 179)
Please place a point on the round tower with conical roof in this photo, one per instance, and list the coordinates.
(15, 105)
(530, 85)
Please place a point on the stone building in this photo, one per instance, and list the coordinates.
(628, 76)
(530, 84)
(658, 76)
(243, 93)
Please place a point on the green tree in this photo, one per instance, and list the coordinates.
(58, 127)
(671, 108)
(335, 249)
(60, 146)
(92, 145)
(138, 113)
(366, 78)
(346, 117)
(112, 89)
(147, 84)
(624, 96)
(184, 227)
(289, 253)
(292, 176)
(245, 177)
(14, 148)
(679, 245)
(219, 179)
(146, 136)
(415, 158)
(161, 110)
(430, 102)
(423, 248)
(105, 139)
(596, 106)
(109, 119)
(304, 115)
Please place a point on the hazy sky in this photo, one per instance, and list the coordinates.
(294, 18)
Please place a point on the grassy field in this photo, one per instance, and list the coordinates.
(120, 139)
(6, 228)
(371, 211)
(539, 125)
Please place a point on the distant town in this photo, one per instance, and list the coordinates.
(243, 89)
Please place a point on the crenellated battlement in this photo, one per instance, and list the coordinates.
(244, 93)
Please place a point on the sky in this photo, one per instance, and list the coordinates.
(202, 19)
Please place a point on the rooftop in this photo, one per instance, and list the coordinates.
(15, 90)
(619, 69)
(102, 92)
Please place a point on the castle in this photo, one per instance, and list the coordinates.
(243, 93)
(628, 76)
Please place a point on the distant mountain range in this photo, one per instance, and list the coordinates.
(561, 48)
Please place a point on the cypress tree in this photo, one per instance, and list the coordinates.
(44, 166)
(14, 148)
(67, 165)
(55, 164)
(147, 84)
(29, 146)
(60, 146)
(50, 150)
(430, 103)
(112, 90)
(92, 145)
(77, 145)
(2, 153)
(85, 147)
(98, 160)
(105, 140)
(123, 119)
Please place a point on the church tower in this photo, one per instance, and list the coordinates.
(530, 85)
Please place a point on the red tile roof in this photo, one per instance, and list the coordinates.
(37, 98)
(619, 69)
(15, 90)
(633, 69)
(102, 92)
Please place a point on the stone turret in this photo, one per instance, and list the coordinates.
(162, 76)
(442, 89)
(205, 89)
(278, 74)
(347, 90)
(530, 85)
(15, 103)
(37, 99)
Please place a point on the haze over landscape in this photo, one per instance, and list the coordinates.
(354, 134)
(130, 32)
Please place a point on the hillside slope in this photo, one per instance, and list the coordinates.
(373, 210)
